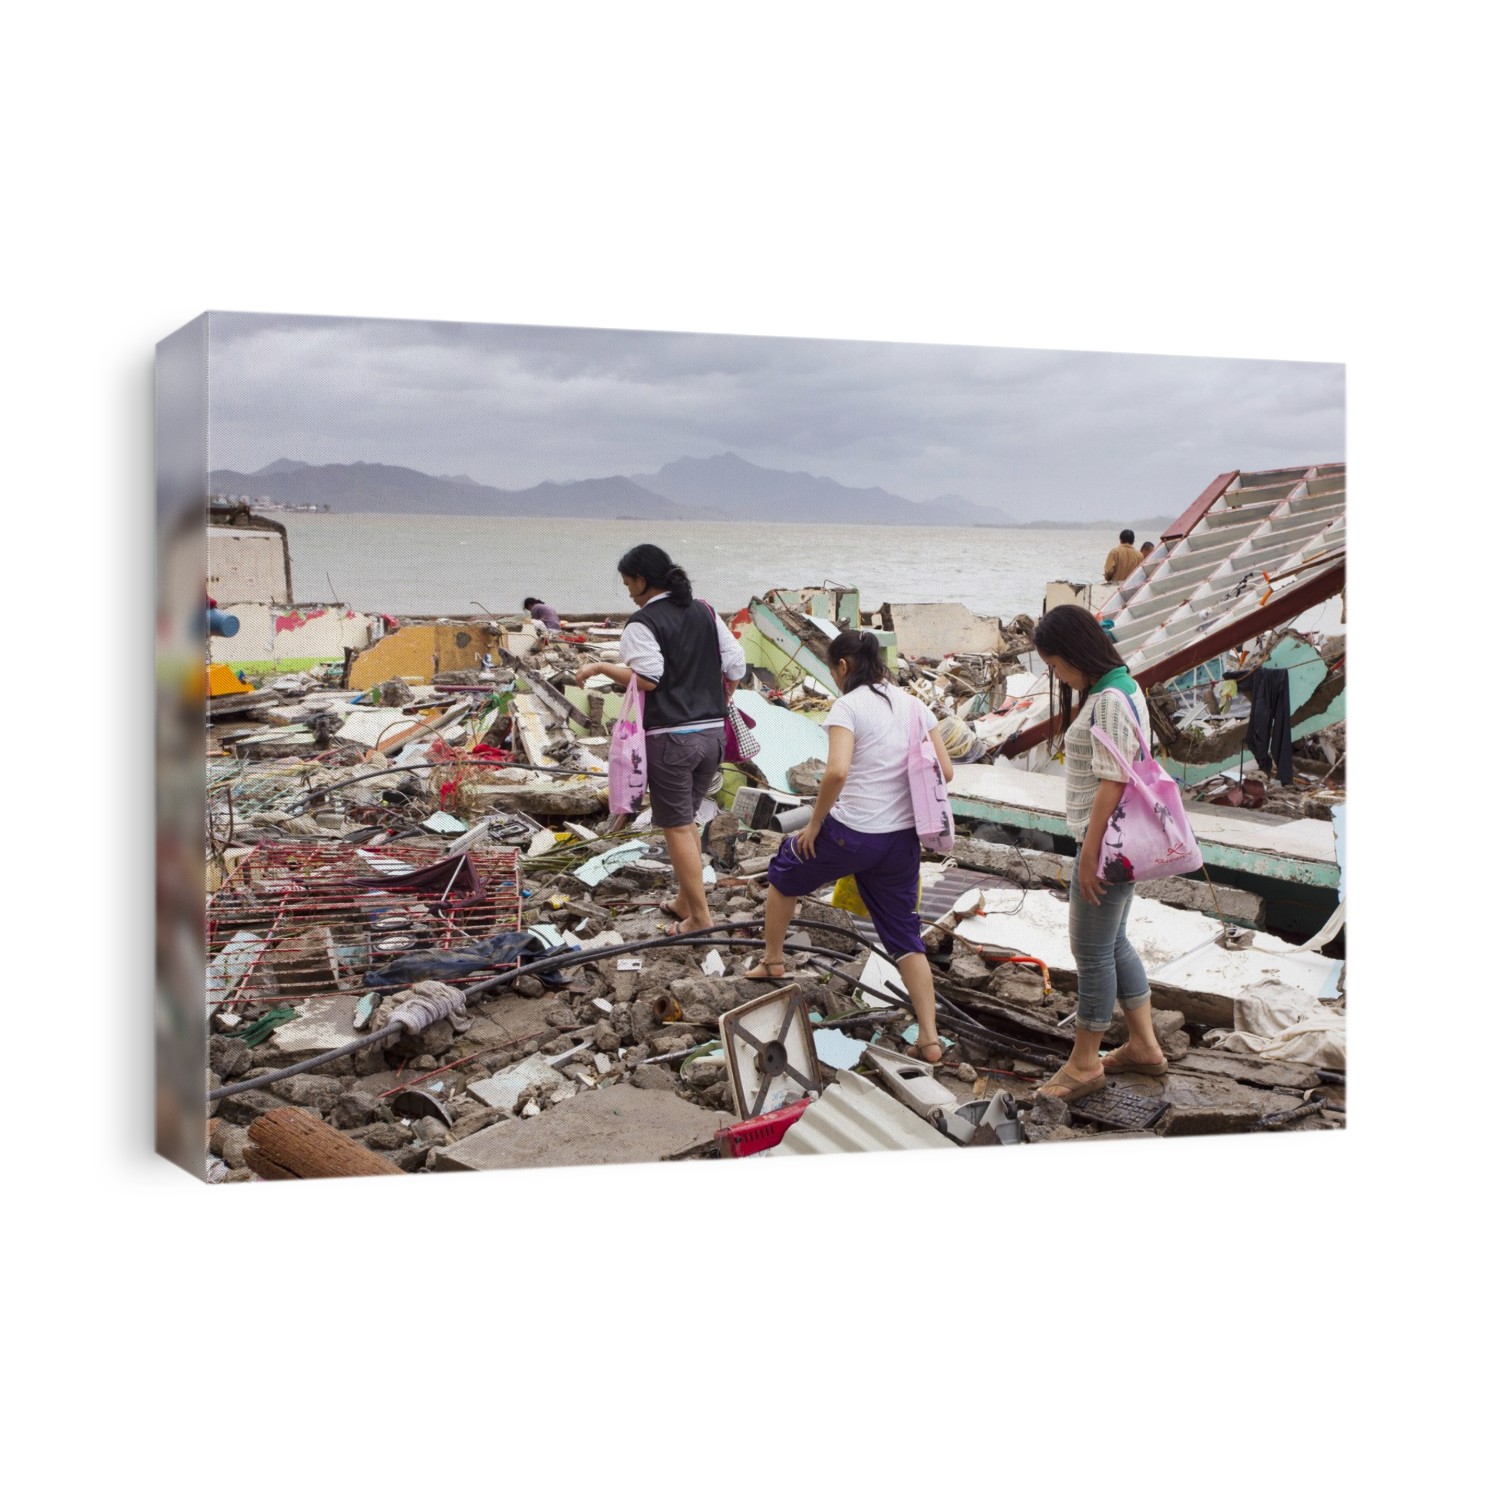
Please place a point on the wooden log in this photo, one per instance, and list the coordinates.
(264, 1167)
(294, 1143)
(567, 800)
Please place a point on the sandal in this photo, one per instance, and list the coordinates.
(1073, 1088)
(667, 909)
(767, 967)
(1149, 1070)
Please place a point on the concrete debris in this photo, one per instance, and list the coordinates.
(425, 754)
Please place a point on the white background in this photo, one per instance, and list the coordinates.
(1213, 1317)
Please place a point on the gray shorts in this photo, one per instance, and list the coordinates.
(679, 770)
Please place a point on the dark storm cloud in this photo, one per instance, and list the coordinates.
(1041, 433)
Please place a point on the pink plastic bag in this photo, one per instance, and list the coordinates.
(1148, 836)
(929, 792)
(627, 756)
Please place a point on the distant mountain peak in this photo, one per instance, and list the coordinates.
(283, 466)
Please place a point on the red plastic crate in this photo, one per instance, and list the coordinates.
(761, 1133)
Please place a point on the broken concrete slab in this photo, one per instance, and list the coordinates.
(320, 1026)
(1028, 866)
(506, 1087)
(1253, 1070)
(603, 1126)
(1179, 948)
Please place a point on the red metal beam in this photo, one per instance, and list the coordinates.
(1281, 608)
(1199, 508)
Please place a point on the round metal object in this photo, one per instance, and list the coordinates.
(773, 1058)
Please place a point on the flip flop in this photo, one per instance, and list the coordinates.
(1075, 1088)
(667, 909)
(1149, 1070)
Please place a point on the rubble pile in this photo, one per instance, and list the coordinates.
(439, 846)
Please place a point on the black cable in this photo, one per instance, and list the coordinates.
(959, 1020)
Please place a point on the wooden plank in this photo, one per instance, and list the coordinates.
(299, 1144)
(531, 729)
(419, 731)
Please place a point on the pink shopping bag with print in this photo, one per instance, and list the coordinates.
(929, 792)
(1148, 835)
(627, 756)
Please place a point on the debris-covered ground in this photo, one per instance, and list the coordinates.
(432, 949)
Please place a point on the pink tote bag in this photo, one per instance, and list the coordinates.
(627, 756)
(929, 792)
(1148, 836)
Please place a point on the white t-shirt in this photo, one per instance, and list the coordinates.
(877, 796)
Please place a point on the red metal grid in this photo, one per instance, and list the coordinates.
(289, 893)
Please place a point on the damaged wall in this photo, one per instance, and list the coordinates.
(419, 651)
(248, 565)
(279, 637)
(935, 630)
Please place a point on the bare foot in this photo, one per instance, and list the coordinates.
(923, 1051)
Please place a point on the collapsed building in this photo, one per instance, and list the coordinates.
(432, 949)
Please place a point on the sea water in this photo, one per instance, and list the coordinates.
(472, 564)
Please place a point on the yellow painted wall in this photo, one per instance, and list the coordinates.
(419, 651)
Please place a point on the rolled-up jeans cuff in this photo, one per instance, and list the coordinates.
(1136, 1001)
(1087, 1021)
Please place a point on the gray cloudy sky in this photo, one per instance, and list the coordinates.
(1040, 433)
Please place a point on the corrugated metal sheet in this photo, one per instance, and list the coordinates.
(855, 1115)
(1262, 524)
(1210, 573)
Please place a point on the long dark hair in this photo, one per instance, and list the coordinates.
(648, 561)
(866, 665)
(1071, 632)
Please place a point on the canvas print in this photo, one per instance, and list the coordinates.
(626, 746)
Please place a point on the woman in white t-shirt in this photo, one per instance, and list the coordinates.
(863, 825)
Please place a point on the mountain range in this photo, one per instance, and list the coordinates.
(725, 488)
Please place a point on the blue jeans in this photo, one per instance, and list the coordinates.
(1109, 969)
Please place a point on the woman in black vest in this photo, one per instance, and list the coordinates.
(680, 654)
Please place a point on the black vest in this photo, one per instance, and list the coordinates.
(692, 683)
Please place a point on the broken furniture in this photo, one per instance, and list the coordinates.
(770, 1052)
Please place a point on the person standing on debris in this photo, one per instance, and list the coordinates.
(1083, 659)
(1122, 560)
(863, 825)
(680, 654)
(543, 614)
